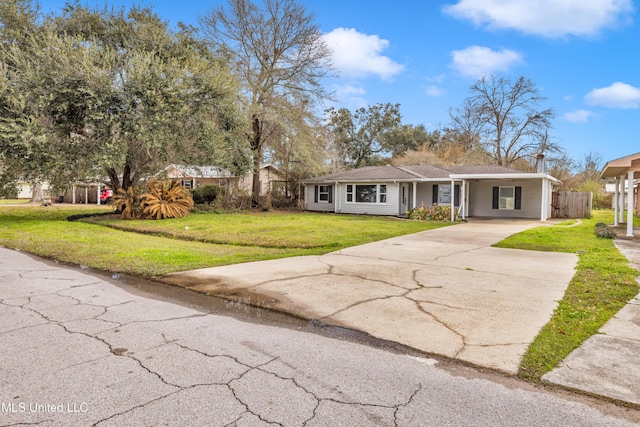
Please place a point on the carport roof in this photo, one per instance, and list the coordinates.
(622, 166)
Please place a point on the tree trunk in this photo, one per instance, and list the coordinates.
(256, 148)
(37, 196)
(126, 177)
(113, 178)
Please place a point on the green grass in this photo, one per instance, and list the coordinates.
(273, 229)
(14, 201)
(602, 285)
(153, 248)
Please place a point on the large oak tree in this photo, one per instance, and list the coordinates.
(93, 93)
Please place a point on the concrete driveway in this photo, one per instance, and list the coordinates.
(444, 291)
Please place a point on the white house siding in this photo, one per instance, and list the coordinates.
(481, 199)
(312, 205)
(424, 194)
(389, 208)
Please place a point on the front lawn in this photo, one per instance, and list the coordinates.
(299, 230)
(152, 248)
(602, 285)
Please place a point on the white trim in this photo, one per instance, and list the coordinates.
(630, 203)
(452, 196)
(615, 202)
(524, 175)
(415, 195)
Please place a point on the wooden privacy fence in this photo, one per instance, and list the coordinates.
(571, 204)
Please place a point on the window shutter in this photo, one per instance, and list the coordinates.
(518, 199)
(496, 197)
(315, 196)
(434, 199)
(331, 194)
(456, 195)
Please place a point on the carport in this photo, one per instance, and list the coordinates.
(623, 170)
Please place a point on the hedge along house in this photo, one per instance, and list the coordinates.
(481, 191)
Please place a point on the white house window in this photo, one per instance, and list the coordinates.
(323, 193)
(187, 183)
(366, 193)
(506, 198)
(444, 194)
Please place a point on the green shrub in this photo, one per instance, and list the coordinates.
(603, 230)
(206, 194)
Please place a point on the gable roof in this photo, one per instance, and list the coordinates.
(622, 166)
(421, 173)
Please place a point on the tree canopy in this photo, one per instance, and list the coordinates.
(110, 92)
(370, 135)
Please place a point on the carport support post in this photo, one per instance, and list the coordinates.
(616, 202)
(621, 199)
(98, 202)
(630, 203)
(543, 200)
(415, 197)
(453, 201)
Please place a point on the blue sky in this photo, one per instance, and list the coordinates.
(425, 54)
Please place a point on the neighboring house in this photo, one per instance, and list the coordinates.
(625, 173)
(483, 191)
(268, 175)
(197, 176)
(25, 190)
(610, 188)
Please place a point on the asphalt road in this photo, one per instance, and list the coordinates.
(77, 349)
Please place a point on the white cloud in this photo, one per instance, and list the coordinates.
(434, 91)
(547, 18)
(349, 90)
(477, 61)
(358, 55)
(618, 95)
(578, 116)
(437, 79)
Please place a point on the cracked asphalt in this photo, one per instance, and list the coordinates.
(79, 350)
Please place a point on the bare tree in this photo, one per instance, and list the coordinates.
(589, 168)
(280, 60)
(503, 116)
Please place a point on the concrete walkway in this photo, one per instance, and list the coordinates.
(608, 363)
(444, 291)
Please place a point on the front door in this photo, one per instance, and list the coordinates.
(404, 198)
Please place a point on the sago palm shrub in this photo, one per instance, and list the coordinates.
(129, 203)
(166, 199)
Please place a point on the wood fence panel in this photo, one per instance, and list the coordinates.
(571, 204)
